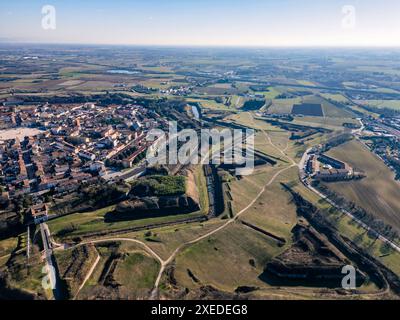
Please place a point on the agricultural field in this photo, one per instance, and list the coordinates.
(378, 193)
(288, 105)
(325, 122)
(390, 104)
(283, 105)
(307, 109)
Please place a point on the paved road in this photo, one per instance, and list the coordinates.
(48, 252)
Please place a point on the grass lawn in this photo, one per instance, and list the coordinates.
(137, 273)
(224, 260)
(274, 211)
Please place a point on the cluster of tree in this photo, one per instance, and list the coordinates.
(142, 89)
(127, 153)
(22, 203)
(101, 99)
(159, 185)
(93, 196)
(337, 141)
(285, 95)
(383, 112)
(392, 144)
(158, 170)
(252, 105)
(100, 195)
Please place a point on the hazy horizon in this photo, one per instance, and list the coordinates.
(223, 23)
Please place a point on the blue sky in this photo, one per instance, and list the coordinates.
(204, 22)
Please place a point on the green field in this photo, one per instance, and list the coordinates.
(224, 260)
(136, 273)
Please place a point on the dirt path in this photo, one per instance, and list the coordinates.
(281, 151)
(146, 247)
(88, 275)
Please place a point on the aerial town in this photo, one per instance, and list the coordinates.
(55, 148)
(221, 151)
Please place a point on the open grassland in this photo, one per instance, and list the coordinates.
(201, 184)
(104, 251)
(274, 211)
(209, 104)
(137, 273)
(87, 222)
(262, 146)
(237, 101)
(165, 240)
(246, 189)
(283, 105)
(234, 257)
(335, 96)
(270, 93)
(378, 193)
